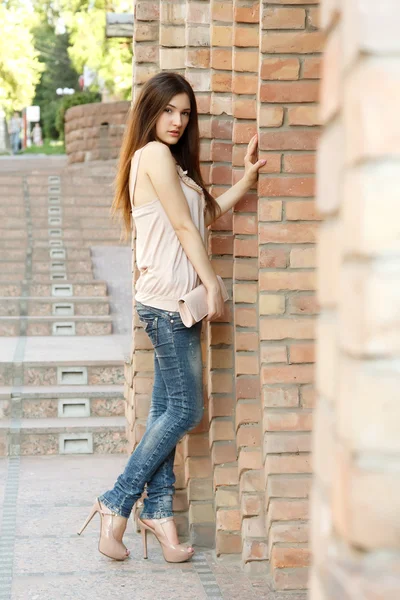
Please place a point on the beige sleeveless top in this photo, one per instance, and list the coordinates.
(166, 273)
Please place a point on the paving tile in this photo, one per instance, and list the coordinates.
(49, 496)
(52, 562)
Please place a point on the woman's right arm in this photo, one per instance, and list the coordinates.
(160, 166)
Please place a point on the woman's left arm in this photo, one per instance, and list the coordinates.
(232, 196)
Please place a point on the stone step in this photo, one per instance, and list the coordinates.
(90, 184)
(60, 276)
(55, 325)
(85, 360)
(40, 374)
(42, 211)
(47, 277)
(64, 401)
(13, 210)
(49, 265)
(11, 192)
(35, 307)
(16, 254)
(13, 234)
(59, 219)
(88, 233)
(10, 180)
(59, 264)
(58, 242)
(62, 289)
(69, 254)
(71, 200)
(91, 435)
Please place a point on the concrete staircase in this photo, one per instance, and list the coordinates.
(61, 360)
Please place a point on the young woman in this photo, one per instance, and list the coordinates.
(159, 184)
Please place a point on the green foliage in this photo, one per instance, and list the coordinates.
(48, 117)
(58, 72)
(20, 68)
(111, 58)
(69, 101)
(49, 147)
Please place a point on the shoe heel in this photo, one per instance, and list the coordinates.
(144, 540)
(90, 517)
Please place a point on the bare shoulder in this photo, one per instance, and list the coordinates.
(155, 152)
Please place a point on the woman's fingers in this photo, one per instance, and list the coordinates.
(252, 149)
(253, 143)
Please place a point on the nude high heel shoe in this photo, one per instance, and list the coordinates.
(108, 545)
(172, 553)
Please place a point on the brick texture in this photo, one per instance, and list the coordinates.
(355, 490)
(244, 472)
(286, 358)
(94, 131)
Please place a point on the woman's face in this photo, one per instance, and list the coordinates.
(173, 120)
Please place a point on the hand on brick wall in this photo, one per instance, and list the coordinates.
(251, 164)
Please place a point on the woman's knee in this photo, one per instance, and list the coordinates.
(195, 417)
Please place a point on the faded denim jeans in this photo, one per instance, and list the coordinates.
(176, 407)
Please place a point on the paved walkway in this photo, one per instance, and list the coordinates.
(46, 500)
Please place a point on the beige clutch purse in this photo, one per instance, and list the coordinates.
(193, 306)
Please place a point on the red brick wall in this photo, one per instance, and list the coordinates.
(94, 131)
(355, 517)
(254, 67)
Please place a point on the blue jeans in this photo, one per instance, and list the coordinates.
(176, 407)
(14, 139)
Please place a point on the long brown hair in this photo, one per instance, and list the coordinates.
(141, 129)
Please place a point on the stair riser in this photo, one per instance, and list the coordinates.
(12, 308)
(70, 200)
(44, 180)
(91, 375)
(59, 264)
(48, 277)
(99, 308)
(45, 444)
(34, 290)
(65, 189)
(47, 408)
(69, 212)
(33, 329)
(15, 211)
(61, 243)
(65, 221)
(61, 276)
(72, 254)
(105, 233)
(13, 193)
(13, 234)
(16, 254)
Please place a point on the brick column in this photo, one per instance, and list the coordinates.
(220, 358)
(356, 526)
(245, 296)
(139, 371)
(145, 42)
(197, 456)
(172, 36)
(286, 233)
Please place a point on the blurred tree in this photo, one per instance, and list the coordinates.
(111, 59)
(20, 68)
(58, 73)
